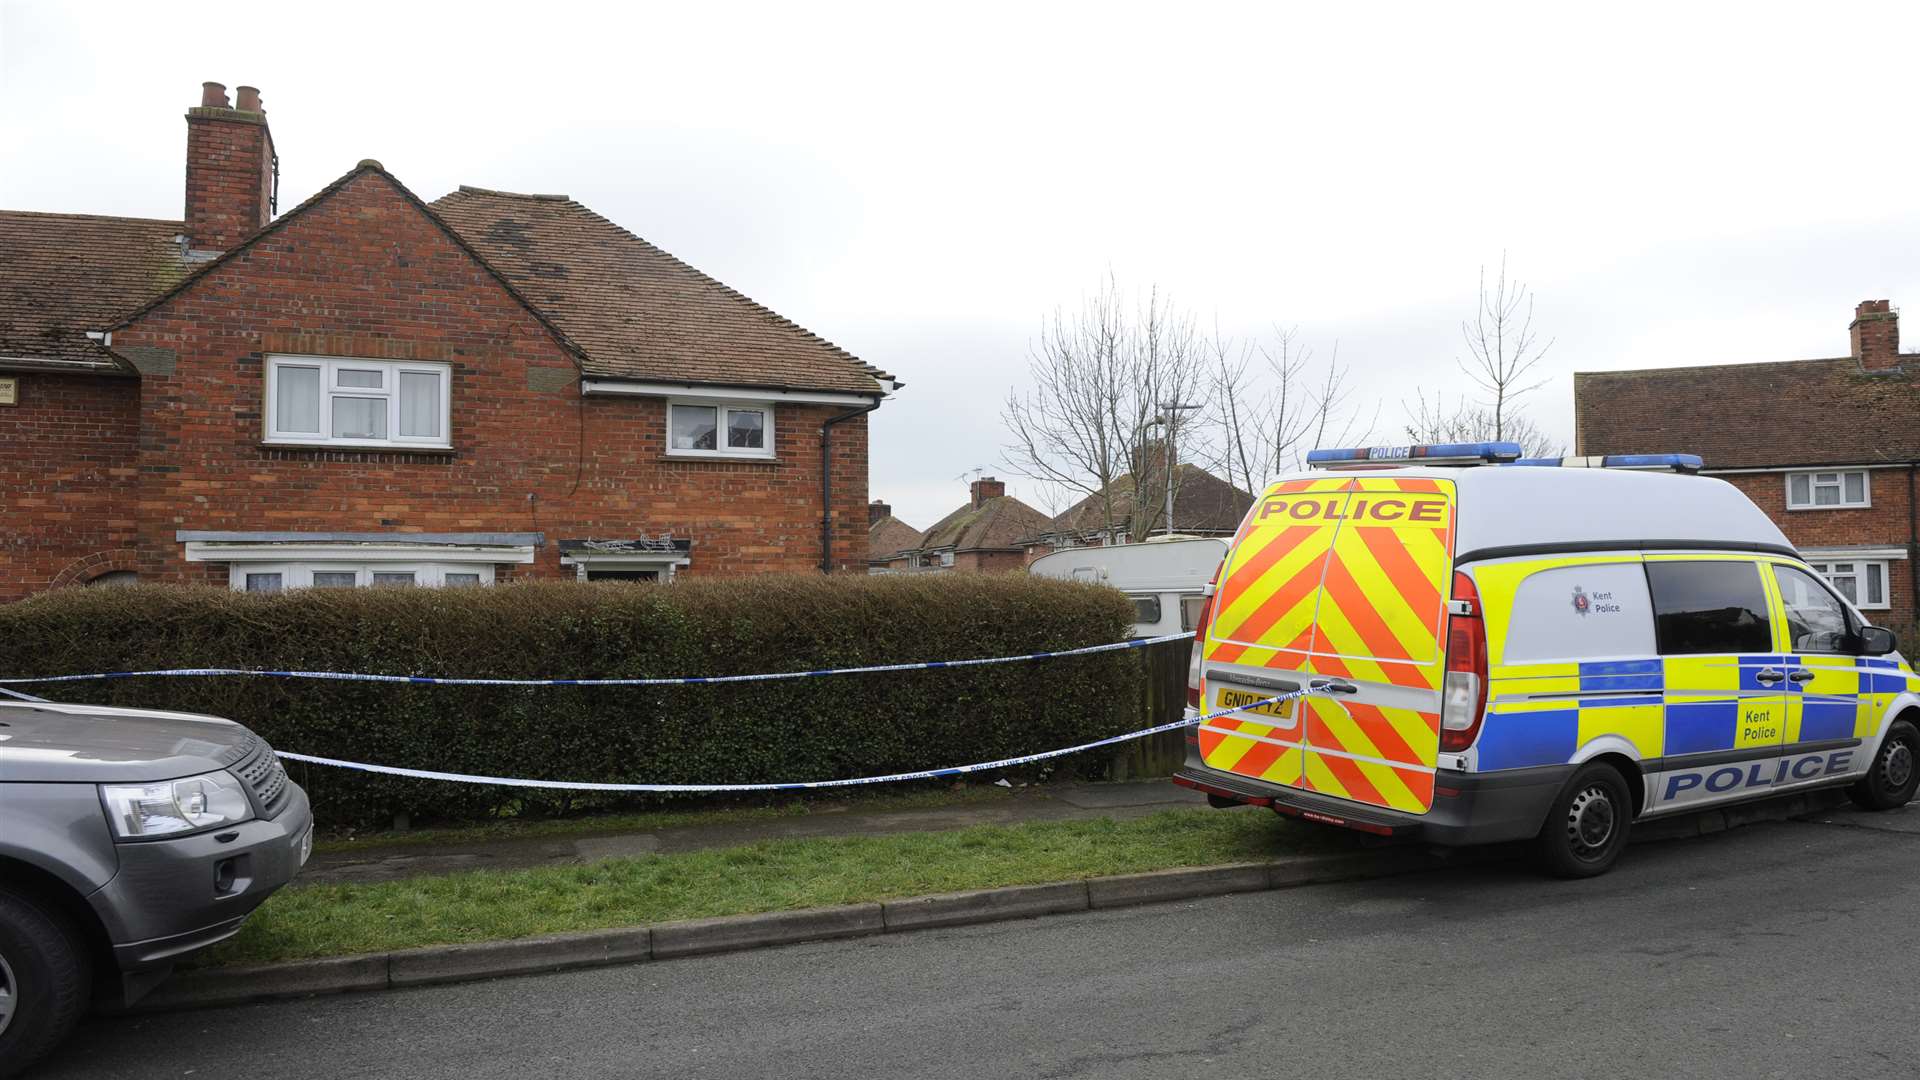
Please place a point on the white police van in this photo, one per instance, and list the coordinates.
(1551, 650)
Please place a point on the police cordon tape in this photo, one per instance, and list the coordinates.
(805, 785)
(694, 680)
(581, 785)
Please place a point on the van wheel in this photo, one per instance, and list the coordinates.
(1890, 783)
(1588, 825)
(45, 981)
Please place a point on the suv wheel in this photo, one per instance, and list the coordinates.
(1588, 824)
(45, 981)
(1890, 783)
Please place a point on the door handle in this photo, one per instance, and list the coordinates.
(1801, 675)
(1770, 675)
(1335, 686)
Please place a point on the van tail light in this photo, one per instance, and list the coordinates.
(1463, 698)
(1194, 696)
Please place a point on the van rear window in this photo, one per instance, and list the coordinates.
(1709, 607)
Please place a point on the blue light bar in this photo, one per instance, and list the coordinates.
(1677, 462)
(1682, 463)
(1480, 453)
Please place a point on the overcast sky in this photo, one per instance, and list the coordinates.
(922, 183)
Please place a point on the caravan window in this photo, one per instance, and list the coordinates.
(1146, 609)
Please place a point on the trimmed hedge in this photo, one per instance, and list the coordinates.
(805, 729)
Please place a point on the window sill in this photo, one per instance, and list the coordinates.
(737, 459)
(1837, 506)
(360, 448)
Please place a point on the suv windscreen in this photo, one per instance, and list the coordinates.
(1709, 607)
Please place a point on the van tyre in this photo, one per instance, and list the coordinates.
(1588, 825)
(1890, 782)
(46, 980)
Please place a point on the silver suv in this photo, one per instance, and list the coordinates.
(128, 839)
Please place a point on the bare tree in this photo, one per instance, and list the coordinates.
(1505, 347)
(1432, 421)
(1266, 418)
(1092, 415)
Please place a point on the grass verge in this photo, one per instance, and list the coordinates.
(775, 875)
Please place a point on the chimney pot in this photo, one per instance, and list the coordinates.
(247, 98)
(877, 512)
(213, 95)
(1875, 335)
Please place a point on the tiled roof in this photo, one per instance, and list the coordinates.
(1796, 412)
(66, 274)
(1000, 522)
(889, 536)
(1202, 503)
(638, 312)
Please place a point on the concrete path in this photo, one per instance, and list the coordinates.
(1051, 802)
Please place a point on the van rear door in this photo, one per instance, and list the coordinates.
(1343, 578)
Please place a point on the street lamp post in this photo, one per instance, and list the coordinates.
(1170, 415)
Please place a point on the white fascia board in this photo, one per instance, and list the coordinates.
(205, 551)
(722, 393)
(1844, 554)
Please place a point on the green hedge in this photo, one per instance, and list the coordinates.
(803, 729)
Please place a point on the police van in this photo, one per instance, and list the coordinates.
(1504, 649)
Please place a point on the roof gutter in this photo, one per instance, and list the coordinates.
(826, 480)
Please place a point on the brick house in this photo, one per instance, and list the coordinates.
(1203, 505)
(372, 389)
(887, 536)
(982, 535)
(1828, 448)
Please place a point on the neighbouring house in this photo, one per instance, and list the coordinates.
(982, 535)
(887, 536)
(373, 389)
(1203, 505)
(1828, 448)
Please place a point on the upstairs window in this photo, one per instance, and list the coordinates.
(339, 402)
(1827, 490)
(1709, 607)
(714, 429)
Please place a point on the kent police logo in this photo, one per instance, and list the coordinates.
(1580, 602)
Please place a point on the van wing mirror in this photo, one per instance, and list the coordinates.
(1876, 641)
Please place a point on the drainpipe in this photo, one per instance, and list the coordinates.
(1913, 540)
(826, 482)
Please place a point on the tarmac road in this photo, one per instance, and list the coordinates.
(1775, 950)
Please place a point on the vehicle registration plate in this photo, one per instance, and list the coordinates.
(1233, 699)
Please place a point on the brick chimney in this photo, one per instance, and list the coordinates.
(230, 169)
(987, 488)
(1875, 334)
(877, 512)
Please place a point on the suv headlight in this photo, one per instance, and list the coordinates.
(176, 806)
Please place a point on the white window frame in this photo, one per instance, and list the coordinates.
(1839, 481)
(1857, 569)
(299, 575)
(330, 368)
(722, 407)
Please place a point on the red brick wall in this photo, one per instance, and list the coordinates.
(66, 466)
(365, 274)
(1884, 524)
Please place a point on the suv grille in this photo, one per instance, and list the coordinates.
(264, 773)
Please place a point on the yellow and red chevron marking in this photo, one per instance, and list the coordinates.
(1344, 577)
(1231, 745)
